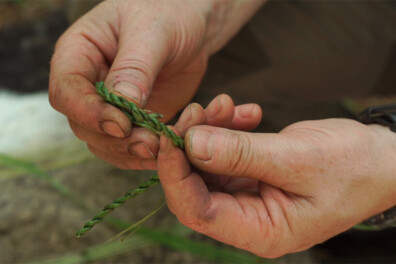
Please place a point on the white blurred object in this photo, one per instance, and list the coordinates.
(29, 124)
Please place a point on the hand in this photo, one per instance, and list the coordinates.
(153, 52)
(314, 179)
(221, 112)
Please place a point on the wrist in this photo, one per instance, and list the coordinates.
(386, 140)
(225, 18)
(385, 115)
(387, 147)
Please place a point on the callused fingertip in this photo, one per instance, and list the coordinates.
(201, 143)
(111, 128)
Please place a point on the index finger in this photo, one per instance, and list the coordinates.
(78, 63)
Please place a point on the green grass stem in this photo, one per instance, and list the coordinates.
(144, 235)
(99, 252)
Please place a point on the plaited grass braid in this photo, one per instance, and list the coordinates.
(139, 116)
(142, 118)
(116, 203)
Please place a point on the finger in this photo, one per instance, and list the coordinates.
(142, 52)
(247, 117)
(271, 158)
(220, 111)
(187, 194)
(218, 215)
(141, 143)
(126, 162)
(78, 62)
(192, 115)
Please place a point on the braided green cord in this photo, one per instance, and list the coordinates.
(116, 203)
(138, 116)
(141, 118)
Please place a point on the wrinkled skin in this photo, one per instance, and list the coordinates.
(270, 194)
(152, 52)
(274, 194)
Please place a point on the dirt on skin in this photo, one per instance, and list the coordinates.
(37, 223)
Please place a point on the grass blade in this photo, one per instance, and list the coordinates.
(220, 254)
(99, 252)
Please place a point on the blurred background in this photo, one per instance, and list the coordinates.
(50, 184)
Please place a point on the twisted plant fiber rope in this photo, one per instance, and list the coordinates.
(116, 203)
(141, 118)
(138, 116)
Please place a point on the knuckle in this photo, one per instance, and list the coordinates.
(199, 220)
(239, 159)
(195, 222)
(187, 220)
(138, 70)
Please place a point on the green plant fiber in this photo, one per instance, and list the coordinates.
(144, 236)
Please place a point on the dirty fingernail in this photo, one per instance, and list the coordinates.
(141, 150)
(111, 128)
(129, 90)
(202, 144)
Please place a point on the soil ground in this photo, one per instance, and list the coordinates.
(37, 223)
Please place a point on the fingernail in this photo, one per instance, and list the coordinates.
(214, 107)
(141, 150)
(247, 111)
(129, 90)
(189, 115)
(111, 128)
(184, 118)
(202, 144)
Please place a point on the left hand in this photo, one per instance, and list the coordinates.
(289, 190)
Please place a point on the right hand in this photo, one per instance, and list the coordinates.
(153, 52)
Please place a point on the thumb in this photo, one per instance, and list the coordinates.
(265, 157)
(140, 56)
